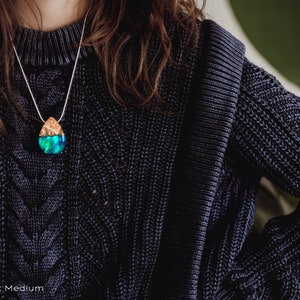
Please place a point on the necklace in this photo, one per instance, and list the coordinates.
(52, 139)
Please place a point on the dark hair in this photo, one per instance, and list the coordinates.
(118, 28)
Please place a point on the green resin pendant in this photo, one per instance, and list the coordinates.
(52, 139)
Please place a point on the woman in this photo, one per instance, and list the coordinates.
(143, 183)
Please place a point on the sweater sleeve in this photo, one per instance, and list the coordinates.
(266, 131)
(268, 266)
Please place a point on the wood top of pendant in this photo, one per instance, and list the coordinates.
(51, 127)
(52, 139)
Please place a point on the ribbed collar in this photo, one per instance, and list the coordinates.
(58, 47)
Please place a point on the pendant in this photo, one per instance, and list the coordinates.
(52, 139)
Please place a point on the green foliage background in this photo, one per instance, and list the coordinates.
(273, 26)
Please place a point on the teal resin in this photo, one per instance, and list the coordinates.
(52, 144)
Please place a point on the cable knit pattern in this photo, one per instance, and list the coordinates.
(35, 196)
(144, 204)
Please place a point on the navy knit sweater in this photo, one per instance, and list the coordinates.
(144, 204)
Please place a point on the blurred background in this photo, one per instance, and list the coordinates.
(271, 32)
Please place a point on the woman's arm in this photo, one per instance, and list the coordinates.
(266, 131)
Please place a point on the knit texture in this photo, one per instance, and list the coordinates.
(144, 204)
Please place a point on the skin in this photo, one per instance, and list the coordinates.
(47, 15)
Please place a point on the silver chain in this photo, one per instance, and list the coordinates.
(71, 80)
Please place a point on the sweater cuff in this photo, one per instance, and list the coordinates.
(269, 264)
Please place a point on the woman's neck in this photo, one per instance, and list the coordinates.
(47, 15)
